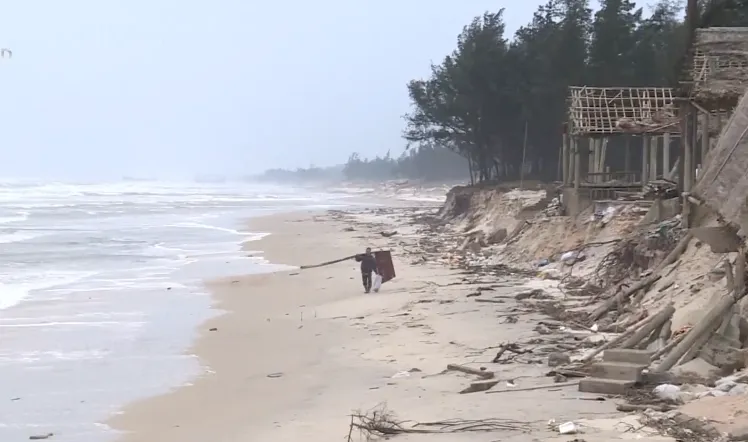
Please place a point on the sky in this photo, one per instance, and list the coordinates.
(101, 89)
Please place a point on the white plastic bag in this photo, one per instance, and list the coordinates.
(377, 284)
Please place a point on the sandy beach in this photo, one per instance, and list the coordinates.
(298, 351)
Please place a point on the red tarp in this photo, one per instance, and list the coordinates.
(384, 265)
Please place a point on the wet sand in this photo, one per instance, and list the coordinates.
(298, 351)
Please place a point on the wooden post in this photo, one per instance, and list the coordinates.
(653, 158)
(565, 160)
(603, 149)
(694, 144)
(666, 155)
(591, 161)
(645, 161)
(577, 164)
(704, 138)
(687, 140)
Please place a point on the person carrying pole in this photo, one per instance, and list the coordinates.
(368, 266)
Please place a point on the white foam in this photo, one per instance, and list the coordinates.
(12, 293)
(19, 236)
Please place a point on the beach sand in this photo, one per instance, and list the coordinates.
(297, 351)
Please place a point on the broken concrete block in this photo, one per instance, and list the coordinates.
(624, 371)
(627, 355)
(696, 367)
(604, 386)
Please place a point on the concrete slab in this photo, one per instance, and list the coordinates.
(623, 371)
(604, 386)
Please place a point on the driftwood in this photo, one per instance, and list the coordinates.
(621, 297)
(617, 340)
(537, 387)
(634, 407)
(698, 343)
(653, 324)
(667, 347)
(469, 370)
(707, 324)
(643, 284)
(327, 263)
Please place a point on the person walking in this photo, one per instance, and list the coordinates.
(368, 266)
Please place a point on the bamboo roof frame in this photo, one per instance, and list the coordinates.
(622, 110)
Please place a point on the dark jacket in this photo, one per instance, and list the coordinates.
(368, 263)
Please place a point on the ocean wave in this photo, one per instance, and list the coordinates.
(18, 285)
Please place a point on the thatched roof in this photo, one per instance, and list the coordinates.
(723, 184)
(718, 73)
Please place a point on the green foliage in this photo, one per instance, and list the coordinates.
(478, 100)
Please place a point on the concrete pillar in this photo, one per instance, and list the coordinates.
(592, 161)
(577, 164)
(666, 155)
(565, 160)
(704, 138)
(603, 143)
(645, 160)
(627, 155)
(653, 157)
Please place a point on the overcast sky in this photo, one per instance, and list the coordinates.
(172, 88)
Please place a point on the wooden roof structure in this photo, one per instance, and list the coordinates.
(716, 77)
(621, 110)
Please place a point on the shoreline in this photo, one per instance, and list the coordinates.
(295, 352)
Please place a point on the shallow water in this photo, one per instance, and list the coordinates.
(101, 290)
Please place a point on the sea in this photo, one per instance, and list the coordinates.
(101, 291)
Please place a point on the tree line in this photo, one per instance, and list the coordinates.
(424, 163)
(493, 95)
